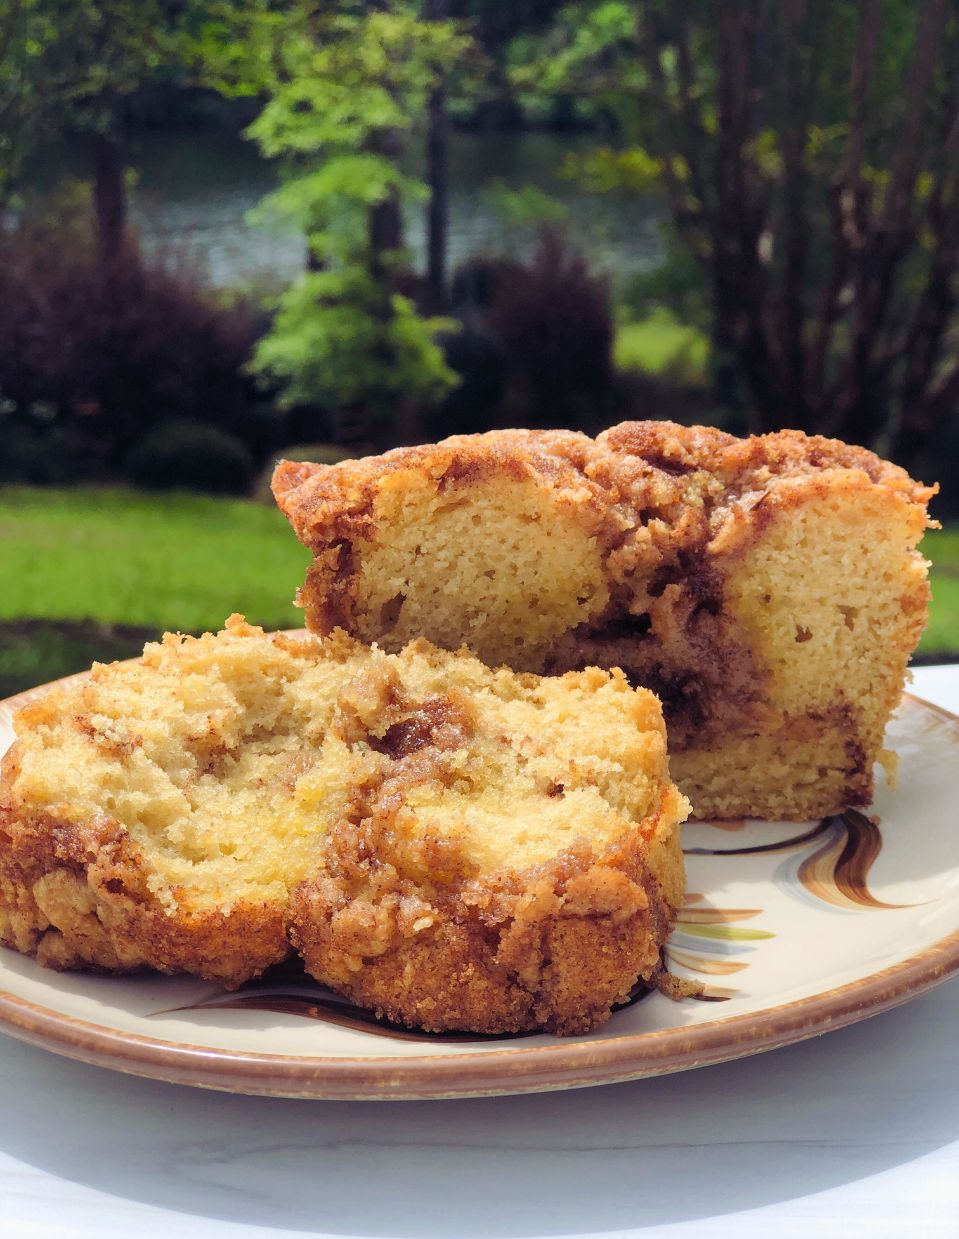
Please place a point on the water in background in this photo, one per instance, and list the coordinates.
(194, 191)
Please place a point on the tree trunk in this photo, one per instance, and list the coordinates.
(386, 219)
(437, 176)
(385, 233)
(109, 197)
(724, 366)
(385, 225)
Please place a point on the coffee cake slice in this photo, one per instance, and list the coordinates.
(455, 847)
(767, 589)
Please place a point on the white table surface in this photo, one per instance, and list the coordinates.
(855, 1134)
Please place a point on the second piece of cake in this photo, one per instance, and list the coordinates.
(454, 847)
(767, 589)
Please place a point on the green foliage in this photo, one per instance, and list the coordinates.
(677, 284)
(66, 64)
(345, 85)
(586, 54)
(660, 345)
(370, 65)
(30, 66)
(116, 45)
(343, 71)
(605, 170)
(335, 342)
(808, 158)
(330, 204)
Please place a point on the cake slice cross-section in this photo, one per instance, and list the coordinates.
(768, 589)
(454, 847)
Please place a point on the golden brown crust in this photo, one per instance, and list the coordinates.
(398, 923)
(750, 464)
(74, 895)
(534, 965)
(325, 504)
(637, 465)
(391, 895)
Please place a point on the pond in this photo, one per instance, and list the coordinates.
(194, 191)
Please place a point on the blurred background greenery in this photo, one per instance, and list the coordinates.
(237, 229)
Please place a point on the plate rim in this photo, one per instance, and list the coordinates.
(630, 1056)
(516, 1069)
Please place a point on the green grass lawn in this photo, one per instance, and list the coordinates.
(160, 561)
(941, 547)
(130, 565)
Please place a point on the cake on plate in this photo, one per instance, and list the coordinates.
(768, 589)
(455, 847)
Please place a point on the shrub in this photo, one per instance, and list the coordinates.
(110, 351)
(639, 396)
(476, 281)
(678, 283)
(473, 405)
(192, 456)
(555, 323)
(263, 427)
(308, 423)
(938, 461)
(43, 455)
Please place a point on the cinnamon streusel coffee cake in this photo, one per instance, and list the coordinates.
(767, 589)
(455, 847)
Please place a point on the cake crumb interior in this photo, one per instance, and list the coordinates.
(228, 760)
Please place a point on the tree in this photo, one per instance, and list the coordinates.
(345, 85)
(437, 176)
(68, 66)
(32, 69)
(120, 44)
(809, 153)
(587, 56)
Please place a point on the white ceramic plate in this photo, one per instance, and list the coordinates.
(794, 929)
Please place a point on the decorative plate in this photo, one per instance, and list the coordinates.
(792, 929)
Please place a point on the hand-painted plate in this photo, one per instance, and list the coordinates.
(792, 928)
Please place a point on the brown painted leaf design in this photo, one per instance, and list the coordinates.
(783, 845)
(332, 1011)
(837, 870)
